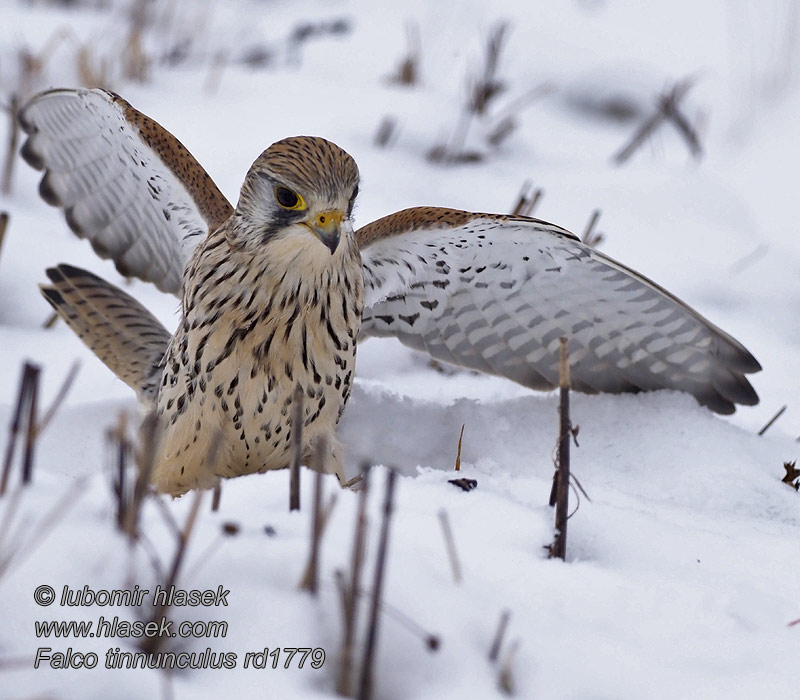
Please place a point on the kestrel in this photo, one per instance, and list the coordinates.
(277, 292)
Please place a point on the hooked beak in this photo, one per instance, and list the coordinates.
(327, 227)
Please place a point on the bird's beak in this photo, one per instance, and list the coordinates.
(327, 227)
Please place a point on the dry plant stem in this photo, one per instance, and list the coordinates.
(3, 227)
(668, 109)
(559, 548)
(458, 454)
(450, 544)
(152, 643)
(316, 533)
(497, 643)
(119, 440)
(305, 581)
(587, 234)
(772, 420)
(365, 681)
(23, 397)
(148, 441)
(506, 677)
(297, 449)
(344, 680)
(527, 200)
(13, 142)
(60, 396)
(31, 433)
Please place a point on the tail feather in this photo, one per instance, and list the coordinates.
(117, 328)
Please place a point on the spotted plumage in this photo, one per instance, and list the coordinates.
(268, 307)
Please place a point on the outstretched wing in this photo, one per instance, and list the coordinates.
(124, 182)
(495, 293)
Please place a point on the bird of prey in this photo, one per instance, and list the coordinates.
(277, 292)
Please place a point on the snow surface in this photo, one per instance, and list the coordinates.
(682, 570)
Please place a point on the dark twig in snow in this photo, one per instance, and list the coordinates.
(560, 493)
(772, 420)
(450, 544)
(366, 681)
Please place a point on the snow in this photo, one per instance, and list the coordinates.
(682, 569)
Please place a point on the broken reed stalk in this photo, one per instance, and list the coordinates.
(527, 200)
(319, 519)
(150, 644)
(589, 237)
(506, 677)
(13, 142)
(148, 442)
(31, 433)
(311, 573)
(668, 109)
(560, 495)
(3, 227)
(60, 396)
(366, 680)
(23, 402)
(450, 544)
(497, 643)
(458, 454)
(118, 439)
(316, 534)
(297, 449)
(351, 589)
(772, 420)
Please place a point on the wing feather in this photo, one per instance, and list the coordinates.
(124, 182)
(496, 293)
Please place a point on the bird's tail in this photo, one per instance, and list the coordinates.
(114, 326)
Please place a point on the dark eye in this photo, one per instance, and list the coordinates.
(288, 199)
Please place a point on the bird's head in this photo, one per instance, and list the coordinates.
(300, 191)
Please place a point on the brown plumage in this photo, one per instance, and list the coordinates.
(272, 302)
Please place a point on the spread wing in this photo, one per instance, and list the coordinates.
(124, 182)
(495, 293)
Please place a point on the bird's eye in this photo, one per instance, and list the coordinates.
(288, 199)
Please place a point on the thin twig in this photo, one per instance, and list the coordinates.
(497, 643)
(13, 141)
(31, 433)
(589, 237)
(667, 110)
(23, 396)
(149, 436)
(69, 380)
(344, 680)
(297, 449)
(450, 544)
(506, 676)
(561, 481)
(772, 420)
(458, 454)
(150, 644)
(3, 227)
(366, 680)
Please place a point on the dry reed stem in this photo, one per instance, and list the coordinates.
(365, 685)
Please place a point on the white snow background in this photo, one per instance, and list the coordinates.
(682, 573)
